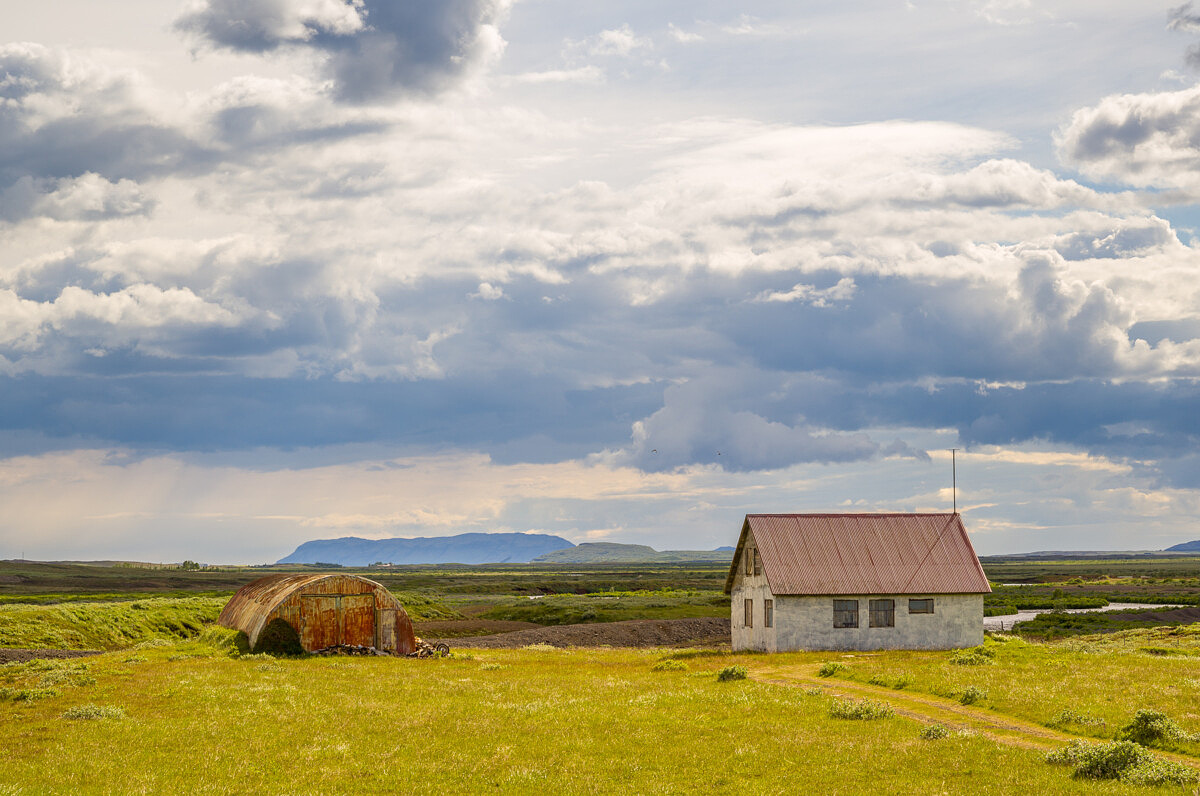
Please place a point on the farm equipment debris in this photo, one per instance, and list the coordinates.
(426, 650)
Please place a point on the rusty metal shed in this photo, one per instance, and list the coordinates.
(323, 610)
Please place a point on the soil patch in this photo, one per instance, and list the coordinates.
(1169, 616)
(20, 655)
(698, 632)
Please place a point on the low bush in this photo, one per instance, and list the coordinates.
(1067, 717)
(94, 712)
(1123, 760)
(731, 673)
(970, 695)
(1150, 728)
(975, 656)
(830, 668)
(935, 732)
(860, 709)
(669, 665)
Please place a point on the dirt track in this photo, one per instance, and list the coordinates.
(20, 656)
(705, 632)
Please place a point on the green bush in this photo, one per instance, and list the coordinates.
(1123, 760)
(975, 656)
(830, 668)
(970, 695)
(94, 712)
(1000, 609)
(1151, 727)
(669, 665)
(731, 673)
(859, 709)
(1067, 717)
(935, 732)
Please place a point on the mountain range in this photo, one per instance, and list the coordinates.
(465, 548)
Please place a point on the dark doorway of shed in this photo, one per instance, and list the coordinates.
(327, 620)
(279, 638)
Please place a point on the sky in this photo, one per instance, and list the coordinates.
(281, 270)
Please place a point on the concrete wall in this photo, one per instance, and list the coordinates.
(806, 622)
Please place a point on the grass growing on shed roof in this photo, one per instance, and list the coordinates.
(511, 721)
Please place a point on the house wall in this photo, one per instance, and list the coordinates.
(806, 622)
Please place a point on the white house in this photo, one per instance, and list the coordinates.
(855, 582)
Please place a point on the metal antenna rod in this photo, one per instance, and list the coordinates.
(954, 478)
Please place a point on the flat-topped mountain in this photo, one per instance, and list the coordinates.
(1185, 547)
(465, 548)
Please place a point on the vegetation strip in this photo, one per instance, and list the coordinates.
(936, 711)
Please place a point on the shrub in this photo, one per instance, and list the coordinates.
(830, 668)
(541, 647)
(975, 656)
(731, 673)
(863, 709)
(971, 694)
(669, 665)
(902, 681)
(94, 712)
(1151, 727)
(492, 667)
(1098, 760)
(1156, 771)
(935, 732)
(27, 694)
(1066, 717)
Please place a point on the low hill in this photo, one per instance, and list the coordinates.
(465, 548)
(1185, 547)
(611, 552)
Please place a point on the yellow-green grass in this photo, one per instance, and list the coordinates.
(1088, 685)
(569, 609)
(116, 625)
(155, 720)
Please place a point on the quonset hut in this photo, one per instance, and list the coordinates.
(319, 611)
(855, 582)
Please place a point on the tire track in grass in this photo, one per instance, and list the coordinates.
(928, 709)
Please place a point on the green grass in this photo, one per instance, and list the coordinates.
(187, 719)
(106, 625)
(1090, 685)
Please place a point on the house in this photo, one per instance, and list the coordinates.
(290, 613)
(855, 582)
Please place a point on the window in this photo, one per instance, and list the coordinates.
(749, 612)
(750, 552)
(768, 613)
(845, 613)
(883, 613)
(923, 606)
(757, 563)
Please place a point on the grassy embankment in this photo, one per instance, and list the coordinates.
(186, 717)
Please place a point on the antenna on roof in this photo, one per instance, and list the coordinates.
(954, 478)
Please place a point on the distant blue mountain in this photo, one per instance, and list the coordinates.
(1185, 547)
(465, 548)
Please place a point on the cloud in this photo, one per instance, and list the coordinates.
(370, 49)
(621, 42)
(1139, 139)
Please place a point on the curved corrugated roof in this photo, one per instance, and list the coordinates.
(249, 608)
(863, 554)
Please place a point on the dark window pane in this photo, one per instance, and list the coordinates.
(768, 613)
(845, 613)
(923, 606)
(749, 612)
(883, 613)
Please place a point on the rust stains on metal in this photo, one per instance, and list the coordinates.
(324, 610)
(862, 554)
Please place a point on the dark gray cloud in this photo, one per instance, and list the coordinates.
(372, 48)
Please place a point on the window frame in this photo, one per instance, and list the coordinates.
(926, 600)
(757, 562)
(750, 553)
(843, 615)
(768, 613)
(749, 607)
(881, 612)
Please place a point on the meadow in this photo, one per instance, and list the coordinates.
(174, 705)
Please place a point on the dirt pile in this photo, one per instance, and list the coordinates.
(704, 632)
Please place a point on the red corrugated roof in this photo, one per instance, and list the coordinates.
(863, 554)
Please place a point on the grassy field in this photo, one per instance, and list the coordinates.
(188, 718)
